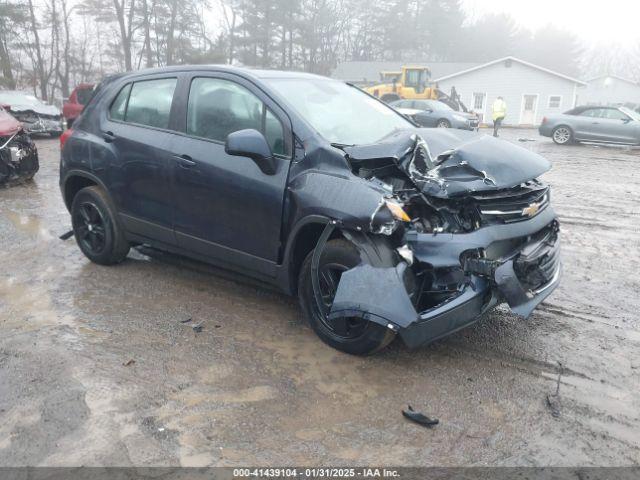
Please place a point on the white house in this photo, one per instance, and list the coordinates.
(610, 90)
(530, 91)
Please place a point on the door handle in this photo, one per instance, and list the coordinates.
(184, 161)
(108, 136)
(595, 123)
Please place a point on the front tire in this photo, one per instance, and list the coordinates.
(352, 335)
(96, 228)
(562, 135)
(443, 123)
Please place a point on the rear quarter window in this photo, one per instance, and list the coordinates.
(119, 105)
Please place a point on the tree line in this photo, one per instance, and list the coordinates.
(49, 46)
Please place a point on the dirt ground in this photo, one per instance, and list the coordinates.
(96, 367)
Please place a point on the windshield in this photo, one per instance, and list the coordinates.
(634, 115)
(17, 98)
(342, 114)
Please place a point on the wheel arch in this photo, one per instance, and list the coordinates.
(76, 180)
(302, 240)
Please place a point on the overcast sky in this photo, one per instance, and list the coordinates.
(593, 20)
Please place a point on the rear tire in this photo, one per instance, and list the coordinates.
(562, 135)
(96, 227)
(355, 336)
(443, 123)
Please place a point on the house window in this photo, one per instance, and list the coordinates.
(478, 101)
(555, 101)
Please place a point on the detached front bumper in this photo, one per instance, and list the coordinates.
(517, 263)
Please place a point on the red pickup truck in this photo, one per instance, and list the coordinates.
(72, 107)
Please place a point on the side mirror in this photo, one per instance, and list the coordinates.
(251, 143)
(626, 120)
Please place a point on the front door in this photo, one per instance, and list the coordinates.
(529, 107)
(136, 129)
(225, 207)
(616, 126)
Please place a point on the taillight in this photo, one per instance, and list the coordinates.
(65, 135)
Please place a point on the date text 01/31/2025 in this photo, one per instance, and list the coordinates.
(317, 472)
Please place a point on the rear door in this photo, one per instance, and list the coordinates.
(137, 131)
(225, 207)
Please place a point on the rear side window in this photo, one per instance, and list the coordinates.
(150, 102)
(119, 105)
(219, 107)
(84, 95)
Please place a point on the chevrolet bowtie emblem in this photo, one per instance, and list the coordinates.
(531, 210)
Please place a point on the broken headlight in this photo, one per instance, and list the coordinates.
(385, 219)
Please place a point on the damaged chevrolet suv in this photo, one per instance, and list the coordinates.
(381, 228)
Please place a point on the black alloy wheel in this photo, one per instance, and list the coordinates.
(96, 227)
(353, 335)
(90, 227)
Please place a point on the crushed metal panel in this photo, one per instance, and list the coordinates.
(347, 200)
(18, 158)
(376, 294)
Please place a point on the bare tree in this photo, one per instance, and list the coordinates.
(39, 66)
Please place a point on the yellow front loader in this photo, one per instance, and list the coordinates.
(411, 83)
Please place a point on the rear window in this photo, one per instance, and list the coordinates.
(145, 103)
(84, 95)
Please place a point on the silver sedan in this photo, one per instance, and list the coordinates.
(593, 124)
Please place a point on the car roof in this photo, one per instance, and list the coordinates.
(242, 71)
(582, 108)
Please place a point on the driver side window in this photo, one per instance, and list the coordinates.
(613, 114)
(219, 107)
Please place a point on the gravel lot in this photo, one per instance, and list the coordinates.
(96, 367)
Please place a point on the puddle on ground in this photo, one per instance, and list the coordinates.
(29, 224)
(29, 306)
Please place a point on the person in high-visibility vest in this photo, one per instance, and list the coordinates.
(499, 111)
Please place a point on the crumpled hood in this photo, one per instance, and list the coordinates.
(50, 110)
(471, 162)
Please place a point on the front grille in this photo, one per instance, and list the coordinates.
(512, 205)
